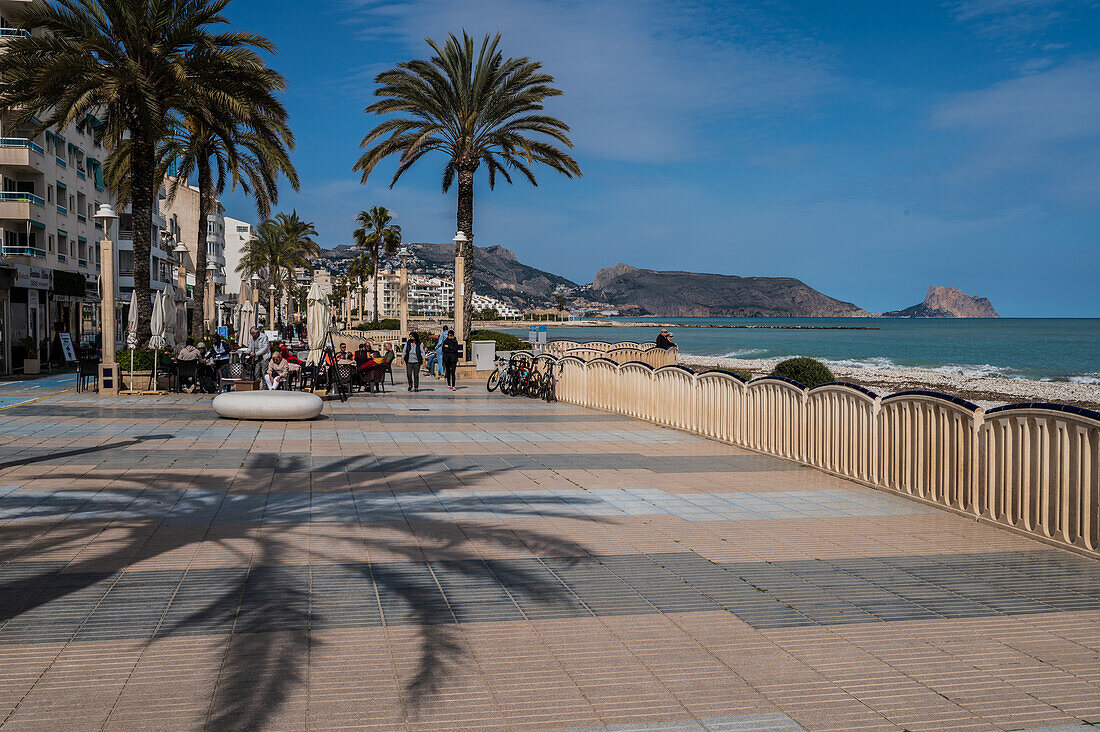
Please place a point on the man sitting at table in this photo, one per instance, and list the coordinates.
(278, 369)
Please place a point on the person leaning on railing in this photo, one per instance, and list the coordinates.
(664, 340)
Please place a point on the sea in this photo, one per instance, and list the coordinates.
(1045, 349)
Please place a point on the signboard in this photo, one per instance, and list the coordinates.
(542, 334)
(35, 278)
(67, 347)
(223, 331)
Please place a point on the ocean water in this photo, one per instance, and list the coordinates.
(1052, 349)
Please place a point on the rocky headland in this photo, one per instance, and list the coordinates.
(947, 302)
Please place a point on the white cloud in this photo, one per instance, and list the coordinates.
(1035, 137)
(643, 82)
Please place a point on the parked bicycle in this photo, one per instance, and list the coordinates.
(522, 375)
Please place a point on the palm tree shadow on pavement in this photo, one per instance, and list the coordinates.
(268, 605)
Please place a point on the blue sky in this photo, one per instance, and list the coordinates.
(870, 149)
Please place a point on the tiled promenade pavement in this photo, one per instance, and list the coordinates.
(443, 561)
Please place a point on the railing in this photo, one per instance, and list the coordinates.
(82, 218)
(625, 353)
(62, 210)
(99, 226)
(1033, 468)
(125, 233)
(14, 32)
(362, 336)
(62, 257)
(81, 262)
(21, 142)
(24, 251)
(21, 196)
(60, 161)
(80, 174)
(558, 348)
(125, 272)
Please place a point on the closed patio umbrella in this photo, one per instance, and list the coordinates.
(317, 321)
(248, 319)
(181, 316)
(160, 337)
(170, 322)
(131, 333)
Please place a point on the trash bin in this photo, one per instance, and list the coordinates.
(484, 353)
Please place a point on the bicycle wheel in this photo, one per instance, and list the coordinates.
(493, 382)
(534, 385)
(548, 386)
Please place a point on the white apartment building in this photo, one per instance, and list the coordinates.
(237, 234)
(428, 296)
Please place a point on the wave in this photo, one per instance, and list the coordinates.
(744, 353)
(1086, 378)
(951, 369)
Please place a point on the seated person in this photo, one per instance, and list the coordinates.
(278, 369)
(189, 352)
(388, 354)
(361, 355)
(343, 356)
(294, 360)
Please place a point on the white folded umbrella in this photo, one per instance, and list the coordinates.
(317, 321)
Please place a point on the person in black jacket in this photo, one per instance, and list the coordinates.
(450, 359)
(664, 340)
(413, 353)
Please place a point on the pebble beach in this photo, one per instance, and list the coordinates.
(985, 391)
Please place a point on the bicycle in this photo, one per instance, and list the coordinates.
(498, 377)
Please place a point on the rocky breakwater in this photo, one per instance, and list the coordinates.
(947, 302)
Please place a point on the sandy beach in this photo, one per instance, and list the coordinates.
(986, 391)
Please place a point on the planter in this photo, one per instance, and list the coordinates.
(32, 366)
(141, 380)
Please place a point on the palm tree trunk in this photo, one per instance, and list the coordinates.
(205, 193)
(271, 310)
(143, 191)
(466, 251)
(374, 277)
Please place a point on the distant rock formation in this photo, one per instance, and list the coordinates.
(947, 302)
(691, 294)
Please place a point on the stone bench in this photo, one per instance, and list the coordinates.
(277, 405)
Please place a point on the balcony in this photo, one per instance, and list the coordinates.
(81, 262)
(125, 272)
(98, 225)
(24, 252)
(14, 33)
(62, 210)
(21, 196)
(60, 161)
(62, 257)
(127, 234)
(80, 174)
(82, 218)
(21, 142)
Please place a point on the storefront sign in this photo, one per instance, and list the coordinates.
(34, 278)
(67, 347)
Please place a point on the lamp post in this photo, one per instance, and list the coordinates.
(108, 382)
(271, 307)
(404, 255)
(460, 290)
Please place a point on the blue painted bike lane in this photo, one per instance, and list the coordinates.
(22, 391)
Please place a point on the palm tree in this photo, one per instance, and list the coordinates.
(475, 107)
(359, 268)
(376, 234)
(134, 64)
(245, 144)
(280, 246)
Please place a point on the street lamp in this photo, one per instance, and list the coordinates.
(460, 239)
(271, 307)
(180, 251)
(404, 255)
(108, 368)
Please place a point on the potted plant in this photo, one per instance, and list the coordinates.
(31, 363)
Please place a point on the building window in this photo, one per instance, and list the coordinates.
(50, 239)
(49, 194)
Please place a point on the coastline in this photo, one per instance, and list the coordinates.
(985, 391)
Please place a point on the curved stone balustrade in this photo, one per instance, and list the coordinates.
(1033, 468)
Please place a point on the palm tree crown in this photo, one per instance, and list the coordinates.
(376, 234)
(475, 107)
(280, 246)
(133, 63)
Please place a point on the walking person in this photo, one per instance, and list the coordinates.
(450, 359)
(437, 363)
(413, 353)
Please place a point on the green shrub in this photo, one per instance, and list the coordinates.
(807, 371)
(384, 324)
(505, 341)
(143, 359)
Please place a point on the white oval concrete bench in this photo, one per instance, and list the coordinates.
(280, 405)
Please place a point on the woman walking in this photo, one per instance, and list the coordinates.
(413, 353)
(450, 359)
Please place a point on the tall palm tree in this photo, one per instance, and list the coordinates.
(376, 234)
(475, 107)
(360, 268)
(134, 64)
(280, 246)
(245, 144)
